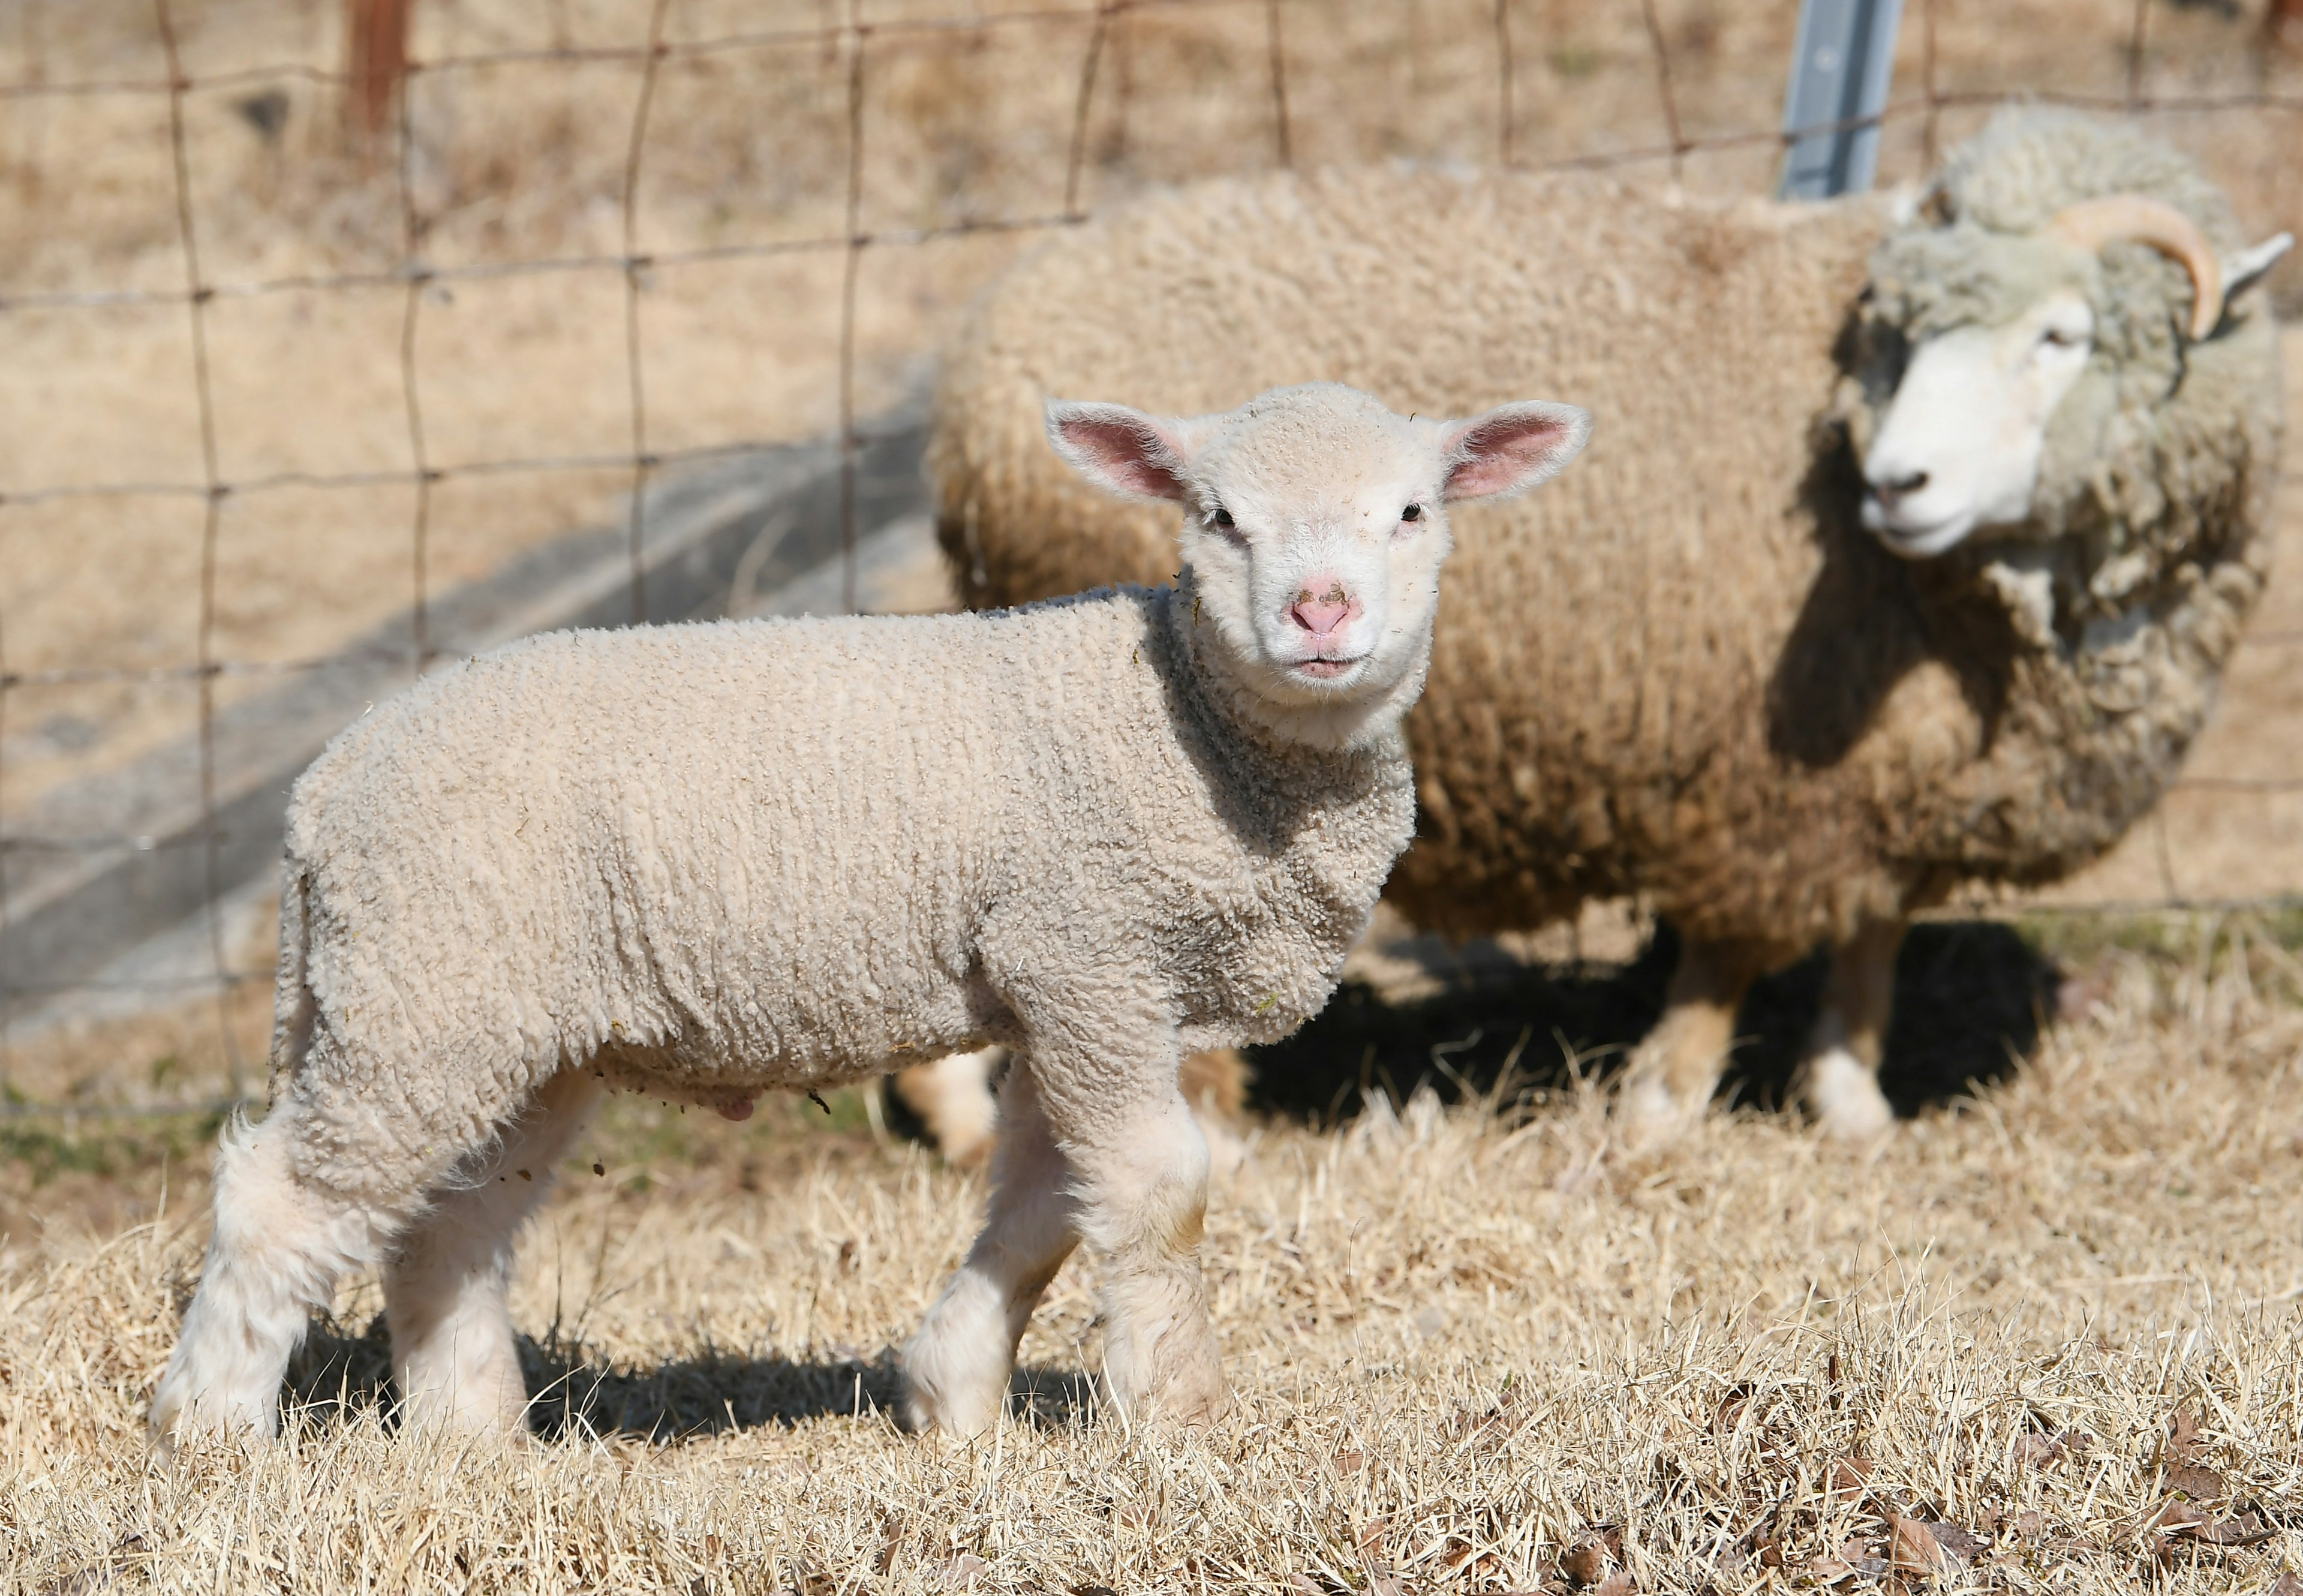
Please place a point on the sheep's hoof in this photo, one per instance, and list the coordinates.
(1651, 1116)
(1846, 1099)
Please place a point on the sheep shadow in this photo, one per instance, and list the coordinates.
(341, 1373)
(1971, 999)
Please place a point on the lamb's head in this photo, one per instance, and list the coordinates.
(1315, 523)
(2035, 324)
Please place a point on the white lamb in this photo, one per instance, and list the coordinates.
(705, 861)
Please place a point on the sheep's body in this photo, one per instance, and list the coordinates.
(707, 861)
(1688, 673)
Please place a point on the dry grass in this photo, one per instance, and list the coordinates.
(1464, 1342)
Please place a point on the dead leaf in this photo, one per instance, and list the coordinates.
(1916, 1546)
(1828, 1571)
(2173, 1515)
(2247, 1530)
(1850, 1479)
(1732, 1408)
(1586, 1564)
(2182, 1442)
(2195, 1480)
(2286, 1584)
(1101, 1590)
(2036, 1448)
(2030, 1524)
(1349, 1462)
(1618, 1584)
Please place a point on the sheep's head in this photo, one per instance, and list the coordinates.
(2018, 357)
(1315, 524)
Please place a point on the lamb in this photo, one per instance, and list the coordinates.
(1911, 559)
(705, 861)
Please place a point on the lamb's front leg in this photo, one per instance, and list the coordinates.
(1140, 1167)
(1144, 1191)
(956, 1369)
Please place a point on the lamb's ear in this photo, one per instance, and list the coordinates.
(1130, 453)
(2249, 267)
(1511, 448)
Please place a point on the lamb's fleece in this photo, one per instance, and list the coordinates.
(708, 860)
(1688, 671)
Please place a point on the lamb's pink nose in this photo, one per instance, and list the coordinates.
(1321, 605)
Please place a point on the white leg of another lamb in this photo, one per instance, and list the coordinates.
(280, 1245)
(1839, 1079)
(453, 1352)
(956, 1369)
(953, 1099)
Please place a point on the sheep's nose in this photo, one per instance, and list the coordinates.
(1321, 605)
(1900, 484)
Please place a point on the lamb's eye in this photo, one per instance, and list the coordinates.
(1413, 512)
(1223, 518)
(2056, 338)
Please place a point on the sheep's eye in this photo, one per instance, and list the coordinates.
(2056, 338)
(1223, 518)
(1413, 512)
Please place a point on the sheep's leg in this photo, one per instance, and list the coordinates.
(953, 1097)
(956, 1369)
(1839, 1079)
(453, 1352)
(280, 1244)
(1675, 1069)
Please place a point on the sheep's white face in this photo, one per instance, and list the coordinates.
(1960, 445)
(1314, 528)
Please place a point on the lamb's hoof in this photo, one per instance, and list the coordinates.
(1651, 1117)
(1185, 1403)
(1846, 1099)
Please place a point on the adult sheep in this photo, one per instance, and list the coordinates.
(1910, 557)
(706, 861)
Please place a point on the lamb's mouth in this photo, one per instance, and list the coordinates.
(1322, 670)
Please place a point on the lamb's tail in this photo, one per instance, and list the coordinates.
(293, 1007)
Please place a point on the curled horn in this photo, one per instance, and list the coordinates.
(2092, 223)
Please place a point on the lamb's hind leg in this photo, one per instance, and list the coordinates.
(281, 1244)
(1839, 1079)
(1676, 1067)
(956, 1369)
(453, 1352)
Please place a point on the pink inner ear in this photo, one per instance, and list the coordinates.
(1498, 454)
(1133, 457)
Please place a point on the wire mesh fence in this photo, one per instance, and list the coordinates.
(895, 130)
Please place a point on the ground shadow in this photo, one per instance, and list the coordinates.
(339, 1373)
(1971, 998)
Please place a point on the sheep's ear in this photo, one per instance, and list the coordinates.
(2249, 267)
(1511, 448)
(1127, 452)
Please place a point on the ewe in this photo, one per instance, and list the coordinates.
(1872, 588)
(705, 861)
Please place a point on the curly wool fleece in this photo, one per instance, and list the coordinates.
(1687, 670)
(709, 860)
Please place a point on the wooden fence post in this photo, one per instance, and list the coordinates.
(377, 32)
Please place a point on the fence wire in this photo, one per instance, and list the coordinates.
(847, 44)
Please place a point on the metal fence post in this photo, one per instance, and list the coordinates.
(1842, 63)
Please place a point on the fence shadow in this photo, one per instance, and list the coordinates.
(1971, 1000)
(341, 1373)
